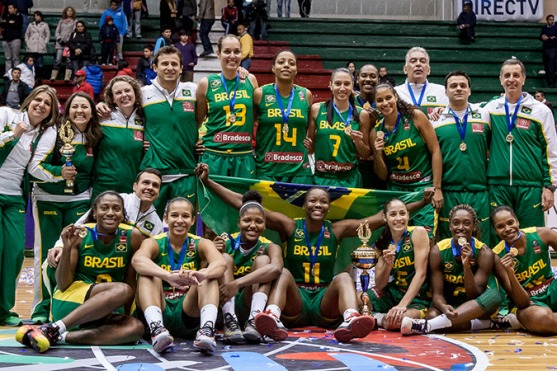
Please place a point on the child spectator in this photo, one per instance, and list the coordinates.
(108, 37)
(15, 90)
(189, 56)
(124, 69)
(82, 85)
(120, 21)
(247, 46)
(95, 77)
(466, 23)
(144, 72)
(229, 18)
(37, 37)
(164, 39)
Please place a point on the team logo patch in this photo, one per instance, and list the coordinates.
(186, 92)
(191, 246)
(215, 84)
(477, 128)
(407, 247)
(138, 135)
(431, 98)
(89, 152)
(188, 106)
(449, 267)
(526, 110)
(148, 226)
(302, 96)
(190, 254)
(121, 248)
(476, 115)
(523, 123)
(138, 122)
(270, 99)
(406, 124)
(299, 233)
(536, 246)
(326, 233)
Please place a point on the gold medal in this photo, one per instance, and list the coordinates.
(462, 146)
(348, 130)
(392, 248)
(509, 138)
(232, 118)
(285, 129)
(313, 272)
(224, 236)
(380, 135)
(367, 106)
(514, 251)
(82, 233)
(462, 241)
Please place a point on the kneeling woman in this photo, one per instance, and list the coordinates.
(175, 293)
(95, 279)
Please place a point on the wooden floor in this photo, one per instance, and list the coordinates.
(505, 351)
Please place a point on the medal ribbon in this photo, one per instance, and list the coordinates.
(508, 248)
(419, 102)
(95, 233)
(387, 133)
(457, 250)
(348, 118)
(232, 101)
(171, 253)
(362, 102)
(512, 119)
(461, 126)
(284, 114)
(399, 243)
(235, 243)
(313, 253)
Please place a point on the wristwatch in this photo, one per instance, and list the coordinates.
(552, 188)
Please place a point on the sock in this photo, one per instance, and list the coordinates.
(153, 314)
(439, 322)
(62, 338)
(258, 302)
(479, 324)
(61, 326)
(274, 310)
(349, 313)
(379, 318)
(228, 307)
(208, 314)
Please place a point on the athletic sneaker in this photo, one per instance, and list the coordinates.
(12, 321)
(160, 338)
(205, 338)
(250, 332)
(355, 326)
(40, 338)
(232, 332)
(411, 326)
(267, 324)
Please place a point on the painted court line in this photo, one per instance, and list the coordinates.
(251, 361)
(355, 362)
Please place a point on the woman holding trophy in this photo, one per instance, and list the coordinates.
(64, 158)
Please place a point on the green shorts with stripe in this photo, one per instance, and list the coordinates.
(178, 323)
(235, 165)
(388, 298)
(547, 298)
(311, 311)
(63, 303)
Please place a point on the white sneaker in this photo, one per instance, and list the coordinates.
(411, 326)
(205, 338)
(160, 338)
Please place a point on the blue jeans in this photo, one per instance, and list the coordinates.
(204, 29)
(279, 8)
(246, 63)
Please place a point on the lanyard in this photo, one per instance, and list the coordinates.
(348, 118)
(232, 101)
(235, 243)
(512, 119)
(387, 133)
(461, 126)
(95, 233)
(419, 102)
(457, 250)
(399, 243)
(171, 254)
(284, 114)
(508, 248)
(363, 102)
(313, 253)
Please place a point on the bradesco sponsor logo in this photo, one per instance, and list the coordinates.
(233, 138)
(284, 157)
(333, 166)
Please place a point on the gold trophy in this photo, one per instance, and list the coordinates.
(364, 257)
(66, 134)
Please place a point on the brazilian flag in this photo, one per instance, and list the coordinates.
(346, 203)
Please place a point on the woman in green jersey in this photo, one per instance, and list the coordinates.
(225, 106)
(121, 146)
(94, 278)
(400, 274)
(338, 132)
(178, 289)
(282, 120)
(406, 151)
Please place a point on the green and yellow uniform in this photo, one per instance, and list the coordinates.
(312, 283)
(533, 269)
(402, 274)
(174, 318)
(97, 263)
(464, 171)
(280, 152)
(228, 143)
(336, 162)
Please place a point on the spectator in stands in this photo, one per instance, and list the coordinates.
(247, 46)
(305, 8)
(229, 18)
(37, 38)
(354, 73)
(168, 13)
(95, 77)
(27, 69)
(207, 17)
(23, 7)
(165, 38)
(280, 4)
(189, 56)
(548, 35)
(144, 71)
(108, 38)
(82, 85)
(257, 16)
(120, 21)
(466, 23)
(80, 45)
(540, 97)
(11, 35)
(384, 77)
(124, 69)
(134, 18)
(15, 90)
(64, 30)
(189, 12)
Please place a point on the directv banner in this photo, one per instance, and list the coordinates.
(504, 10)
